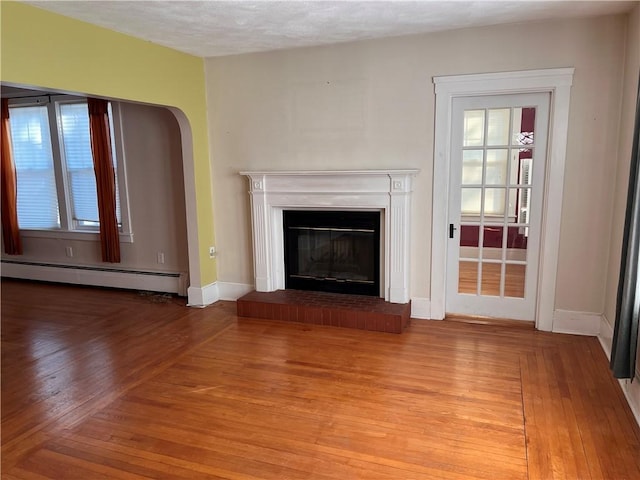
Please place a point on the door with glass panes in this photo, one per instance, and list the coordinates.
(498, 154)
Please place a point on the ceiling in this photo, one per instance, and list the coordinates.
(210, 28)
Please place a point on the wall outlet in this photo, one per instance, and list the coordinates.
(212, 252)
(69, 251)
(160, 257)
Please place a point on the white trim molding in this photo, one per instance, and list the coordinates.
(420, 308)
(630, 389)
(203, 296)
(386, 191)
(577, 323)
(233, 291)
(605, 335)
(558, 83)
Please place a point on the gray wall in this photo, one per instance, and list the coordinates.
(153, 158)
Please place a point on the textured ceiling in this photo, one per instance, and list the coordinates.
(209, 28)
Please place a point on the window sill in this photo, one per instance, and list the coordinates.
(72, 235)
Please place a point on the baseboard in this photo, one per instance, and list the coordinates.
(166, 282)
(576, 323)
(605, 336)
(233, 291)
(420, 308)
(631, 392)
(630, 389)
(203, 296)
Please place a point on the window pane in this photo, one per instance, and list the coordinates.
(492, 238)
(473, 128)
(76, 141)
(491, 279)
(472, 167)
(470, 201)
(497, 166)
(31, 141)
(468, 277)
(498, 128)
(494, 201)
(524, 120)
(514, 280)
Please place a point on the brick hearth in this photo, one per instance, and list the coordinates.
(320, 308)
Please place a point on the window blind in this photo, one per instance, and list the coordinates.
(31, 141)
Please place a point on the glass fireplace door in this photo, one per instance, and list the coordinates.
(333, 251)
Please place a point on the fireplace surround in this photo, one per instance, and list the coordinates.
(385, 191)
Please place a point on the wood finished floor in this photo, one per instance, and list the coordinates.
(101, 384)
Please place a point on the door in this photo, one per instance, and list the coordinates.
(498, 156)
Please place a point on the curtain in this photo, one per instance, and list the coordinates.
(9, 189)
(105, 179)
(625, 335)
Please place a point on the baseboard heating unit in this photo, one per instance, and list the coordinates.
(166, 282)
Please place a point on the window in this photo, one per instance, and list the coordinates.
(33, 157)
(54, 165)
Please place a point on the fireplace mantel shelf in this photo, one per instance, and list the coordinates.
(387, 191)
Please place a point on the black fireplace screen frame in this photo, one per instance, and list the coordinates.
(362, 226)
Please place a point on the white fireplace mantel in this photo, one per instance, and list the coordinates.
(387, 191)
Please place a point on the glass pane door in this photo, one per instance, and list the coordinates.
(497, 175)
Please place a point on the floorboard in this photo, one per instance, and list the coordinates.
(100, 383)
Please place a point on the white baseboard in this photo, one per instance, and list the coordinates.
(630, 389)
(233, 291)
(576, 323)
(203, 296)
(605, 335)
(97, 276)
(420, 308)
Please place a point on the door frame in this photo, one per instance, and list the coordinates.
(557, 82)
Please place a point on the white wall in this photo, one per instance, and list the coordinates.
(370, 104)
(156, 196)
(623, 157)
(621, 176)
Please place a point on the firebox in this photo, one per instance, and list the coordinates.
(332, 251)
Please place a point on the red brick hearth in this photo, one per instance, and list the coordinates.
(320, 308)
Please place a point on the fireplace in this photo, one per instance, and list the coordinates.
(332, 251)
(387, 192)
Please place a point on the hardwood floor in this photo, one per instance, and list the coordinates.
(102, 384)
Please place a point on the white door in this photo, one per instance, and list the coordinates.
(498, 156)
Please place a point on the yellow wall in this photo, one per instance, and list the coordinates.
(50, 51)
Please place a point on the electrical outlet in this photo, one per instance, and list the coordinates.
(160, 257)
(212, 252)
(69, 251)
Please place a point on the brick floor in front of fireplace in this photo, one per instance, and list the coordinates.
(332, 309)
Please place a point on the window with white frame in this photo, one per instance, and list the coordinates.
(54, 165)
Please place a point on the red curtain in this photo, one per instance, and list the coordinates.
(105, 179)
(9, 189)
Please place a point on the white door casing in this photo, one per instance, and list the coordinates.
(557, 82)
